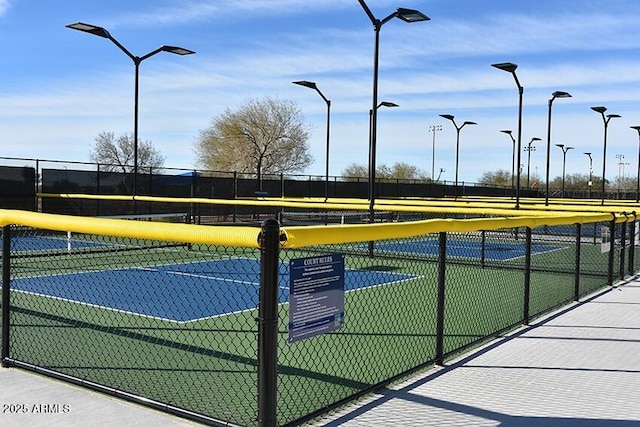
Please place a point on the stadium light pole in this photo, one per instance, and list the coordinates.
(605, 119)
(458, 129)
(590, 183)
(433, 129)
(101, 32)
(513, 158)
(564, 162)
(406, 15)
(312, 85)
(554, 95)
(510, 67)
(638, 179)
(529, 148)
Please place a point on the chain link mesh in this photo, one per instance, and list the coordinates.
(178, 323)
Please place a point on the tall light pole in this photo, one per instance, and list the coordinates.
(433, 129)
(564, 162)
(638, 180)
(510, 67)
(590, 183)
(458, 128)
(554, 95)
(513, 158)
(605, 119)
(406, 15)
(101, 32)
(312, 85)
(372, 158)
(530, 148)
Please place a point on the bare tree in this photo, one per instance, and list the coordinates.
(116, 154)
(399, 170)
(262, 137)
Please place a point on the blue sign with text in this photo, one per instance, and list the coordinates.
(316, 297)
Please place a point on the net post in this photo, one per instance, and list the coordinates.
(442, 255)
(576, 291)
(527, 278)
(268, 323)
(6, 279)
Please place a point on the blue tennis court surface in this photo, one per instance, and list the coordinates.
(466, 248)
(179, 292)
(37, 243)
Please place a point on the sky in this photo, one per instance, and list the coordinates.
(61, 88)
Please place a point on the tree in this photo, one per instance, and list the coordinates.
(399, 170)
(118, 154)
(499, 178)
(262, 137)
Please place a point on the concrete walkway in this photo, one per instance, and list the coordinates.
(577, 367)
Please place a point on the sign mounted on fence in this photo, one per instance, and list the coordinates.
(316, 296)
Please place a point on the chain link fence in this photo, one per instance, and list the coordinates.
(201, 321)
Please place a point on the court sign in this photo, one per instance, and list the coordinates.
(316, 296)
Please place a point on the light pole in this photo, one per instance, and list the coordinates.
(406, 15)
(372, 158)
(605, 119)
(513, 158)
(510, 67)
(638, 180)
(433, 129)
(312, 85)
(564, 161)
(530, 148)
(101, 32)
(554, 95)
(590, 183)
(458, 128)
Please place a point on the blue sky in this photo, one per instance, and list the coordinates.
(61, 88)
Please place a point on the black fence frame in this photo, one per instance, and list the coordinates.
(270, 244)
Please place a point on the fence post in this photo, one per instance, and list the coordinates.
(440, 309)
(623, 243)
(612, 248)
(268, 324)
(576, 293)
(6, 279)
(632, 244)
(527, 277)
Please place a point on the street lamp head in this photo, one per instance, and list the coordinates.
(387, 104)
(509, 67)
(507, 131)
(411, 15)
(561, 94)
(560, 145)
(636, 128)
(535, 138)
(177, 50)
(91, 29)
(569, 148)
(600, 109)
(469, 123)
(588, 154)
(613, 116)
(306, 83)
(447, 116)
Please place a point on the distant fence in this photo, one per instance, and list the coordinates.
(274, 325)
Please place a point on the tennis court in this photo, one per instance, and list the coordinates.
(181, 292)
(49, 244)
(466, 248)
